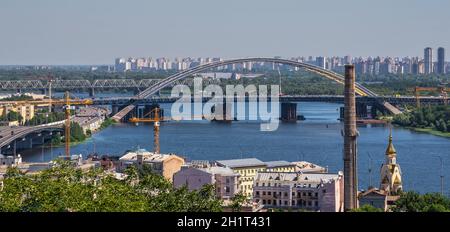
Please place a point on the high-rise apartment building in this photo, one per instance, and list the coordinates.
(441, 61)
(428, 60)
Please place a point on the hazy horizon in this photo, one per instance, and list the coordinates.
(63, 32)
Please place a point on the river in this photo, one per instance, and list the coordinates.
(317, 139)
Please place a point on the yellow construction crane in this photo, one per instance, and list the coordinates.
(443, 90)
(156, 119)
(67, 102)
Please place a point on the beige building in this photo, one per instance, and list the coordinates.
(377, 198)
(163, 164)
(247, 170)
(26, 111)
(303, 191)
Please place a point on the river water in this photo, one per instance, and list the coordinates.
(317, 139)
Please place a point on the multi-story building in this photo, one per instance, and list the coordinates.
(163, 164)
(225, 181)
(295, 190)
(441, 61)
(26, 111)
(247, 169)
(428, 60)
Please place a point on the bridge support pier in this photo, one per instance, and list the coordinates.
(288, 112)
(91, 92)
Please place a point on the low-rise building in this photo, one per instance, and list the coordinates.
(163, 164)
(305, 191)
(280, 166)
(377, 198)
(247, 170)
(226, 181)
(26, 111)
(10, 160)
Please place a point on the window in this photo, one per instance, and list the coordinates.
(309, 203)
(227, 189)
(309, 194)
(257, 193)
(263, 193)
(293, 203)
(304, 194)
(285, 194)
(269, 193)
(264, 201)
(324, 191)
(316, 194)
(285, 202)
(269, 202)
(316, 203)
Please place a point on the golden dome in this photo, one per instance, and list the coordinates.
(390, 150)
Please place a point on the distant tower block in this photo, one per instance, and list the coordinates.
(288, 112)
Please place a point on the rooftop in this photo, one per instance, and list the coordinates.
(297, 177)
(240, 163)
(279, 163)
(219, 170)
(147, 156)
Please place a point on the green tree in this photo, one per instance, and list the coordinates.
(236, 202)
(415, 202)
(367, 208)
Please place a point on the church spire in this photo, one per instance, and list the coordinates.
(390, 150)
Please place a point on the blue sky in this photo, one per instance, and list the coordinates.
(96, 31)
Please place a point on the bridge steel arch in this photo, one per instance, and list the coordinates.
(360, 90)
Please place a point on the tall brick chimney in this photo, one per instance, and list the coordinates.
(350, 134)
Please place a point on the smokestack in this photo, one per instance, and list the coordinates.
(350, 133)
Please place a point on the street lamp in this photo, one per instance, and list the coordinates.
(442, 174)
(370, 169)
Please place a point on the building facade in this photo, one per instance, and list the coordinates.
(428, 60)
(247, 170)
(225, 181)
(441, 61)
(311, 191)
(163, 164)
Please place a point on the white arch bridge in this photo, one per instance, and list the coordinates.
(360, 90)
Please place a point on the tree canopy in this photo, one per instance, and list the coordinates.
(64, 188)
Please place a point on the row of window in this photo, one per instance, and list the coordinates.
(279, 184)
(269, 193)
(299, 203)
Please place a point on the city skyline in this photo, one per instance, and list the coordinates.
(49, 32)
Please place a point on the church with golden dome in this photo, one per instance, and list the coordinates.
(391, 174)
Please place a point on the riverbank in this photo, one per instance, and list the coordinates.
(430, 131)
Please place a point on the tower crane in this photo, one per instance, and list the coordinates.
(442, 89)
(68, 106)
(156, 123)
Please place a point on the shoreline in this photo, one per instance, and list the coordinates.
(426, 131)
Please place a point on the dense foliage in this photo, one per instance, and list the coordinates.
(44, 117)
(107, 122)
(76, 133)
(11, 116)
(22, 97)
(432, 117)
(64, 188)
(429, 202)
